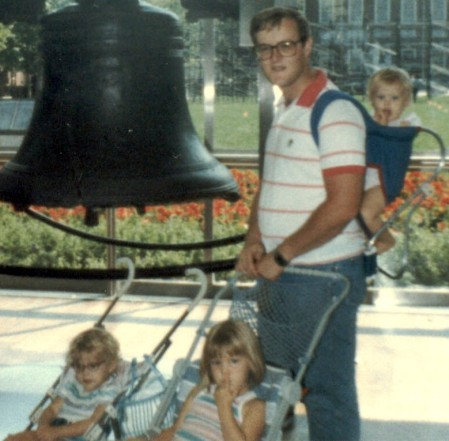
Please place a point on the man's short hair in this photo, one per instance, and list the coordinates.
(272, 17)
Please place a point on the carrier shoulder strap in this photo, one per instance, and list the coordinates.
(323, 101)
(387, 148)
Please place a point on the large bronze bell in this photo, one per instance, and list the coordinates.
(111, 127)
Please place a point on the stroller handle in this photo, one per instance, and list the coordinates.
(126, 261)
(203, 286)
(123, 287)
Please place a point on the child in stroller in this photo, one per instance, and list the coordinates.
(89, 384)
(223, 405)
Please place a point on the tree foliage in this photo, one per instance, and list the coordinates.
(19, 43)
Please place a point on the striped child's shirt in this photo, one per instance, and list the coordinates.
(202, 422)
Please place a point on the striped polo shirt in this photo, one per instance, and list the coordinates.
(295, 167)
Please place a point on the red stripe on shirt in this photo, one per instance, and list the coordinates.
(344, 152)
(341, 123)
(285, 184)
(293, 158)
(274, 210)
(290, 129)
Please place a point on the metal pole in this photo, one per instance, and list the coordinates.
(209, 111)
(428, 47)
(111, 258)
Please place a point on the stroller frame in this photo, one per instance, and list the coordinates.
(122, 288)
(108, 421)
(278, 389)
(111, 417)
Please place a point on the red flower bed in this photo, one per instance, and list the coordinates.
(432, 213)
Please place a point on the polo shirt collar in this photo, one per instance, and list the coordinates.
(310, 94)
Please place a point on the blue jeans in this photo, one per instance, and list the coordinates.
(331, 401)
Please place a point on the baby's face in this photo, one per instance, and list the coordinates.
(92, 370)
(389, 102)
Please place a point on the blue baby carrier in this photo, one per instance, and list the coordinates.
(388, 149)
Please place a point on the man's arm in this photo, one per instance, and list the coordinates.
(253, 249)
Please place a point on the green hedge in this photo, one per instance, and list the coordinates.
(26, 241)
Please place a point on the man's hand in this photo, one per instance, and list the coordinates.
(268, 268)
(249, 259)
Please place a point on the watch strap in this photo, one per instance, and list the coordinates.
(280, 259)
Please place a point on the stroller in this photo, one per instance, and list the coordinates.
(132, 375)
(144, 411)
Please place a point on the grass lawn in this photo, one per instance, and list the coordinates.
(236, 123)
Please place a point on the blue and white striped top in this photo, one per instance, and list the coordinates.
(202, 422)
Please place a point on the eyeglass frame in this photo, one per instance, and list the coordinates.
(278, 46)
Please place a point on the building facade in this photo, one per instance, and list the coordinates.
(354, 38)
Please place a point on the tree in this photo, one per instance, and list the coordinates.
(197, 9)
(27, 11)
(18, 53)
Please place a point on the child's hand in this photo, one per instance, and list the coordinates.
(225, 392)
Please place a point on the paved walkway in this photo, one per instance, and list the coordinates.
(402, 359)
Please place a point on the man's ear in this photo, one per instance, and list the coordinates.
(308, 45)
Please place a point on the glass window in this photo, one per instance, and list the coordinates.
(234, 92)
(333, 11)
(355, 11)
(408, 11)
(326, 11)
(382, 11)
(341, 11)
(438, 10)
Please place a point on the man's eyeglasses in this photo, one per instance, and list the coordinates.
(89, 368)
(286, 48)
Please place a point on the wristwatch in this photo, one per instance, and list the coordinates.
(280, 259)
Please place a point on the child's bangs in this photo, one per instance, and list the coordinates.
(230, 349)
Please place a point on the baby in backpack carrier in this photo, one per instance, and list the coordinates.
(84, 391)
(390, 93)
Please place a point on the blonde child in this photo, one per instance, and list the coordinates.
(223, 406)
(85, 390)
(390, 92)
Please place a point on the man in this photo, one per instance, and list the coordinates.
(303, 213)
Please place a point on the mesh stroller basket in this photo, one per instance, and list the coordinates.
(289, 318)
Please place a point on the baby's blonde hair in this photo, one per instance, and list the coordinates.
(237, 338)
(390, 75)
(94, 340)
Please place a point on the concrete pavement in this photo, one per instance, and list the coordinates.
(402, 358)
